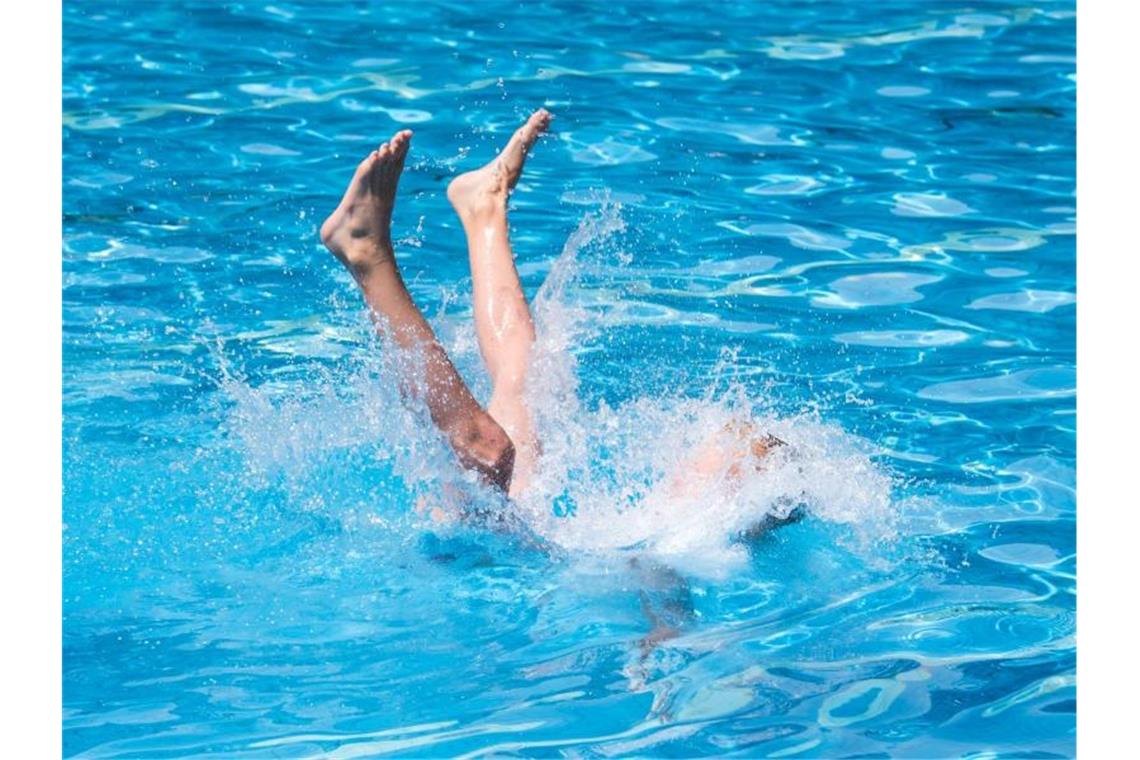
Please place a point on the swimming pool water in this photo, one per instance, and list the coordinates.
(856, 220)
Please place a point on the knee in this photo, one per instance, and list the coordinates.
(497, 451)
(487, 449)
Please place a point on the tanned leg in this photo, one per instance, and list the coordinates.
(358, 234)
(502, 318)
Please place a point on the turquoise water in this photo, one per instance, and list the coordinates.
(853, 221)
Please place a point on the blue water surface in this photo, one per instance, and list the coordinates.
(859, 216)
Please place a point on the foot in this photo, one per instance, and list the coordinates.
(358, 232)
(485, 190)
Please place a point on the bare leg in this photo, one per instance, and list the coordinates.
(502, 318)
(358, 235)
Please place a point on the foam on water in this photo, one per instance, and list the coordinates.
(613, 483)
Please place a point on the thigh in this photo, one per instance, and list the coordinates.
(508, 407)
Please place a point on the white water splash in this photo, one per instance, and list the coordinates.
(612, 483)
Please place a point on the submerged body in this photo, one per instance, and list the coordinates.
(499, 441)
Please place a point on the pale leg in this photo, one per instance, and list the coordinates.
(503, 321)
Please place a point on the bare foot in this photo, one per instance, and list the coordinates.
(486, 190)
(358, 232)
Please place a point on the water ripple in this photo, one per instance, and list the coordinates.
(1021, 385)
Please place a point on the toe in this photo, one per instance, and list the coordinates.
(401, 142)
(534, 126)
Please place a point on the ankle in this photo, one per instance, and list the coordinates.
(484, 210)
(362, 255)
